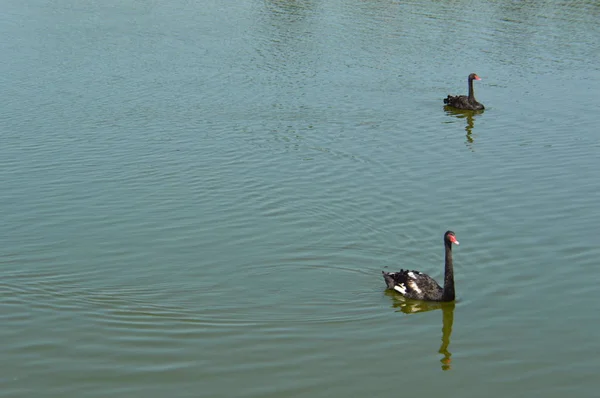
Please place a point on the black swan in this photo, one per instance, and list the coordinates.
(418, 286)
(465, 102)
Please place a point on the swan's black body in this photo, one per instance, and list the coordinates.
(465, 102)
(416, 285)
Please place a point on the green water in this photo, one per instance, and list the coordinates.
(197, 199)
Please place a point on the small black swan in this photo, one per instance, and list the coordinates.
(418, 286)
(465, 102)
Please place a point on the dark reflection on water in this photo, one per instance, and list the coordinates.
(416, 306)
(470, 118)
(289, 6)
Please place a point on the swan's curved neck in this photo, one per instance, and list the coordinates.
(471, 92)
(448, 293)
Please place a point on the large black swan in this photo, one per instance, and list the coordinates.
(418, 286)
(465, 102)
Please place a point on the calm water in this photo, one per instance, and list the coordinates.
(197, 198)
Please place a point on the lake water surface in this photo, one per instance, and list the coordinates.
(197, 198)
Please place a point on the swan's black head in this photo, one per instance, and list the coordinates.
(449, 237)
(473, 76)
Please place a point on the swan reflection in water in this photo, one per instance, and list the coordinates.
(415, 306)
(465, 114)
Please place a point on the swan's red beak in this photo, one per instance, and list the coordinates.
(453, 240)
(477, 77)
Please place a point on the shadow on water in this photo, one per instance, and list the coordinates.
(415, 306)
(470, 117)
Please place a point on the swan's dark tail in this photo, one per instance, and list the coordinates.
(448, 99)
(389, 281)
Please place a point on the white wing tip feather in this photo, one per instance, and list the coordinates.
(400, 288)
